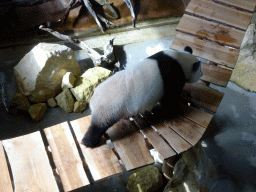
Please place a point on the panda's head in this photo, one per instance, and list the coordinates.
(189, 63)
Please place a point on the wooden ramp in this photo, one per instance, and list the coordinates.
(215, 30)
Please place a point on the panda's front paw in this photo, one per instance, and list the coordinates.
(89, 141)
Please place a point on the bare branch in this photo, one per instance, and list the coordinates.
(97, 59)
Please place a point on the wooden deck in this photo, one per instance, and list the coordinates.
(31, 163)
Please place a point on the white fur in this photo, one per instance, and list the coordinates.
(129, 92)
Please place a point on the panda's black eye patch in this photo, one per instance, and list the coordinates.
(196, 66)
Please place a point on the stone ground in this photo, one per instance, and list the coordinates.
(230, 144)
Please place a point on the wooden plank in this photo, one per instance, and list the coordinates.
(203, 96)
(66, 156)
(248, 5)
(220, 13)
(5, 179)
(30, 165)
(211, 31)
(186, 128)
(101, 160)
(206, 49)
(176, 141)
(156, 140)
(196, 115)
(216, 75)
(130, 145)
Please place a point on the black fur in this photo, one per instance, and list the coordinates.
(173, 80)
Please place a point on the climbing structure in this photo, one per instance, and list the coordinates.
(215, 30)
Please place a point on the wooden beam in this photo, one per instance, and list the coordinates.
(154, 138)
(101, 160)
(30, 165)
(196, 115)
(206, 49)
(130, 145)
(210, 30)
(66, 157)
(221, 13)
(203, 96)
(216, 75)
(248, 5)
(190, 131)
(5, 179)
(176, 141)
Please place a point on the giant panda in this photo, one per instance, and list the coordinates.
(158, 78)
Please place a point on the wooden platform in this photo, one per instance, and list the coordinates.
(31, 163)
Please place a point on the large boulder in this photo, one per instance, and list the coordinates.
(39, 73)
(244, 73)
(148, 179)
(194, 172)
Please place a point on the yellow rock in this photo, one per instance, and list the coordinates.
(37, 111)
(148, 179)
(19, 102)
(80, 106)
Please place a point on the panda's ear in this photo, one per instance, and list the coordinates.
(188, 49)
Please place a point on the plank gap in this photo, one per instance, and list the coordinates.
(210, 30)
(220, 13)
(177, 143)
(214, 21)
(221, 2)
(208, 40)
(205, 97)
(154, 138)
(93, 156)
(130, 144)
(85, 165)
(211, 51)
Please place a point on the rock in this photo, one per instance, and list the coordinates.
(68, 80)
(148, 179)
(52, 102)
(37, 111)
(39, 73)
(18, 103)
(85, 85)
(66, 100)
(244, 73)
(80, 106)
(194, 172)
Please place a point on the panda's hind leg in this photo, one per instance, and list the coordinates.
(97, 129)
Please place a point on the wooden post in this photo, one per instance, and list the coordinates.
(168, 166)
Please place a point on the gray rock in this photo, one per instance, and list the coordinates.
(244, 73)
(148, 179)
(194, 172)
(39, 73)
(66, 100)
